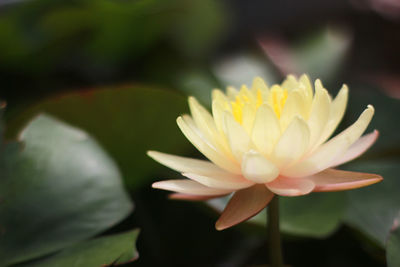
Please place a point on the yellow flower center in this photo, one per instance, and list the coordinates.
(276, 99)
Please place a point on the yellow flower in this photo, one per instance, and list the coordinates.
(263, 141)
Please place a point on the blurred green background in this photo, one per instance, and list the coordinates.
(121, 71)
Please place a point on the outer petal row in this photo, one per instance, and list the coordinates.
(323, 157)
(185, 186)
(191, 132)
(243, 205)
(338, 180)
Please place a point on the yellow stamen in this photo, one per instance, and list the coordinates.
(237, 107)
(277, 99)
(259, 98)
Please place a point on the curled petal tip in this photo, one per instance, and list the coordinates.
(150, 153)
(219, 227)
(156, 185)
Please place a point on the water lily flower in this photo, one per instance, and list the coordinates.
(263, 141)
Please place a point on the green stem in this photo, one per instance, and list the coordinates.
(274, 238)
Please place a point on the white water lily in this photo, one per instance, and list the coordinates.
(265, 140)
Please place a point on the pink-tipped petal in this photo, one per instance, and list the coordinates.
(358, 148)
(243, 205)
(189, 187)
(286, 186)
(188, 197)
(338, 180)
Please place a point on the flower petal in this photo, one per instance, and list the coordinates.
(185, 186)
(323, 157)
(243, 205)
(259, 84)
(187, 126)
(293, 107)
(233, 182)
(256, 168)
(231, 92)
(239, 140)
(292, 144)
(266, 130)
(337, 180)
(218, 110)
(248, 114)
(356, 149)
(182, 164)
(206, 124)
(188, 197)
(286, 186)
(306, 87)
(319, 115)
(338, 108)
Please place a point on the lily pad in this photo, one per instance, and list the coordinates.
(57, 187)
(373, 209)
(126, 121)
(393, 246)
(107, 250)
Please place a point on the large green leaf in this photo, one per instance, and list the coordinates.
(126, 121)
(374, 209)
(57, 187)
(107, 250)
(393, 246)
(315, 215)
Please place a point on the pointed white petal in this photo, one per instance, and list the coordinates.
(187, 126)
(356, 149)
(218, 115)
(319, 115)
(222, 182)
(219, 96)
(259, 84)
(323, 157)
(292, 144)
(189, 187)
(182, 164)
(239, 140)
(338, 108)
(305, 85)
(248, 114)
(256, 168)
(290, 83)
(266, 130)
(294, 106)
(286, 186)
(206, 124)
(203, 119)
(231, 92)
